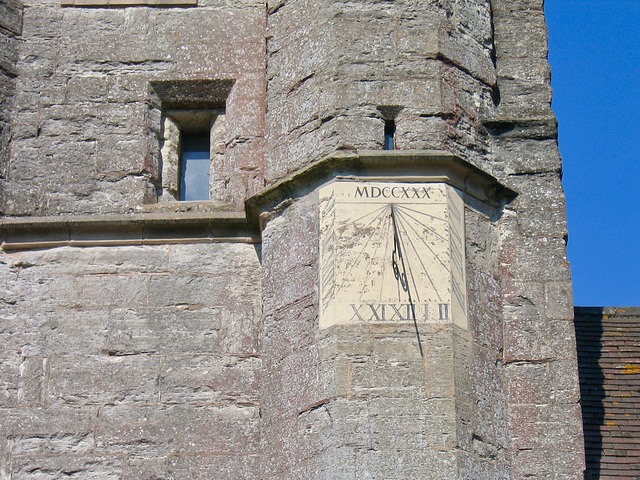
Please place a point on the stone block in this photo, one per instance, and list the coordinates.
(145, 430)
(198, 290)
(92, 467)
(129, 86)
(563, 381)
(418, 433)
(286, 249)
(112, 290)
(483, 301)
(531, 426)
(531, 156)
(422, 133)
(87, 380)
(282, 451)
(522, 101)
(56, 430)
(118, 156)
(32, 287)
(397, 378)
(533, 339)
(11, 16)
(97, 260)
(241, 328)
(210, 380)
(561, 463)
(33, 384)
(9, 374)
(397, 465)
(180, 330)
(144, 468)
(283, 337)
(295, 383)
(87, 88)
(528, 383)
(546, 256)
(504, 7)
(220, 467)
(523, 34)
(221, 258)
(558, 300)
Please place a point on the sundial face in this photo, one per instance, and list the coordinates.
(391, 253)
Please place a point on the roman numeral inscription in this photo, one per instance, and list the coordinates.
(392, 192)
(396, 312)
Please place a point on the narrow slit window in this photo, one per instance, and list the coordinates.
(194, 166)
(389, 135)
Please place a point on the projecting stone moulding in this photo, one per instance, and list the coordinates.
(400, 166)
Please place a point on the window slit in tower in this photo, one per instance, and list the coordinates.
(194, 166)
(389, 135)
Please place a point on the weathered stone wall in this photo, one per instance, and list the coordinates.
(483, 436)
(331, 65)
(147, 361)
(85, 138)
(360, 401)
(475, 81)
(130, 362)
(10, 29)
(539, 339)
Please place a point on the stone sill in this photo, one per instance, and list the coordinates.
(25, 233)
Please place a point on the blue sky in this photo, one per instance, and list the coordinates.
(594, 51)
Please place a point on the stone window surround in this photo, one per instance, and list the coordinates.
(192, 106)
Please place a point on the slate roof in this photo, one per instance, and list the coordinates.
(609, 366)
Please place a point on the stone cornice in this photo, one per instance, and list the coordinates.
(380, 165)
(20, 233)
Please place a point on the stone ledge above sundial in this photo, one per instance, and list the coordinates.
(407, 166)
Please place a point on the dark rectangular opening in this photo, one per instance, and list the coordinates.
(194, 166)
(389, 135)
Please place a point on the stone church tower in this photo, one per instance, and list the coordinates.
(292, 239)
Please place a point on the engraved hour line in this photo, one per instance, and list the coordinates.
(424, 268)
(386, 255)
(426, 227)
(383, 235)
(403, 217)
(454, 211)
(377, 211)
(380, 215)
(328, 253)
(413, 279)
(329, 206)
(404, 207)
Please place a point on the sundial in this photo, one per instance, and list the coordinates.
(391, 252)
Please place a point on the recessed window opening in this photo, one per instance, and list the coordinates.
(389, 135)
(192, 138)
(194, 166)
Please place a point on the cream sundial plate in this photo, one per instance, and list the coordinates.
(391, 253)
